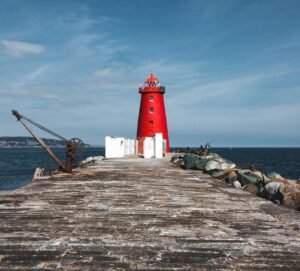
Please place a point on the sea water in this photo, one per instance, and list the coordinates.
(285, 161)
(17, 165)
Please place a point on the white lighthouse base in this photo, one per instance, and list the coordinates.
(158, 145)
(148, 147)
(118, 147)
(153, 146)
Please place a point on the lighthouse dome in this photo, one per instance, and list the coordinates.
(152, 81)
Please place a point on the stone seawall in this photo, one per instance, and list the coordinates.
(138, 214)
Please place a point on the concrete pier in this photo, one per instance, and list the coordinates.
(135, 214)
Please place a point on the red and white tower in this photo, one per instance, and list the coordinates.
(152, 115)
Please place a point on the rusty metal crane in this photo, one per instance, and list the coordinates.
(74, 146)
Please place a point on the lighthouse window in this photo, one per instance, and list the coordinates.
(151, 98)
(152, 84)
(151, 109)
(151, 122)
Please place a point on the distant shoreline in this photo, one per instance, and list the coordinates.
(30, 142)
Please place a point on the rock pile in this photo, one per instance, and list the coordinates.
(90, 160)
(271, 186)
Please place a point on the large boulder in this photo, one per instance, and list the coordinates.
(189, 161)
(193, 161)
(251, 188)
(272, 191)
(292, 200)
(219, 164)
(90, 160)
(216, 162)
(177, 160)
(237, 185)
(231, 176)
(261, 176)
(209, 163)
(247, 177)
(201, 163)
(273, 187)
(291, 195)
(220, 174)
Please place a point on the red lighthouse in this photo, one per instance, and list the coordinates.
(152, 115)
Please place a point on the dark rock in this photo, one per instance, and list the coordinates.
(247, 176)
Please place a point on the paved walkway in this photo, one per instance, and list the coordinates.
(135, 214)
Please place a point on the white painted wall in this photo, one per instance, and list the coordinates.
(153, 146)
(114, 147)
(126, 146)
(148, 147)
(118, 147)
(158, 145)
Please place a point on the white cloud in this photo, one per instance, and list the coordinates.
(19, 48)
(33, 75)
(104, 72)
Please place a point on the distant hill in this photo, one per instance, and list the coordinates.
(24, 141)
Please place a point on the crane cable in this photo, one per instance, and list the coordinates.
(44, 128)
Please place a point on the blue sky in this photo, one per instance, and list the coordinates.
(231, 68)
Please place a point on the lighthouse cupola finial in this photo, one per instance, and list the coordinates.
(152, 81)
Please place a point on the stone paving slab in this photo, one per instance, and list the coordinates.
(136, 214)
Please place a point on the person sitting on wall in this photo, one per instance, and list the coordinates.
(207, 148)
(201, 150)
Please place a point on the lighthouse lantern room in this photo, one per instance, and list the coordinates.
(152, 116)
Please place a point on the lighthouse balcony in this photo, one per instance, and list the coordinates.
(160, 89)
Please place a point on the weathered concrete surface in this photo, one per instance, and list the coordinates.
(139, 215)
